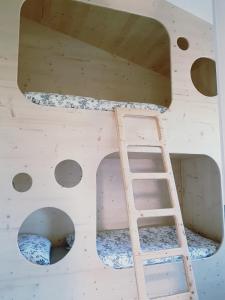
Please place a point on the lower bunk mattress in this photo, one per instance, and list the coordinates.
(114, 247)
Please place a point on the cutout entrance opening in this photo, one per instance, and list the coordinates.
(73, 48)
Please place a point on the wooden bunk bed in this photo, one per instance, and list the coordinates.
(69, 48)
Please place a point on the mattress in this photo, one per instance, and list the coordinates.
(35, 248)
(77, 102)
(114, 247)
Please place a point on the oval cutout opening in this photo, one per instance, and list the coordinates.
(203, 75)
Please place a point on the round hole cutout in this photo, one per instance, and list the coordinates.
(68, 173)
(182, 43)
(22, 182)
(203, 75)
(46, 236)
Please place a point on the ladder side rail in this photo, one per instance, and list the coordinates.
(133, 227)
(178, 218)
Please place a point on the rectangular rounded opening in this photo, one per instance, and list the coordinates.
(73, 48)
(198, 185)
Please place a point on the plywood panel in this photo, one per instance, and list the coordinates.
(202, 196)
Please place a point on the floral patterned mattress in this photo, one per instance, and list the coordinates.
(78, 102)
(35, 248)
(114, 247)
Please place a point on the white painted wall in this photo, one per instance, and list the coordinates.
(200, 8)
(219, 17)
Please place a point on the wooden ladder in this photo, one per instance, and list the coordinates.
(134, 214)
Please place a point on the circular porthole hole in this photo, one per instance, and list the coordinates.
(46, 236)
(203, 75)
(68, 173)
(22, 182)
(182, 43)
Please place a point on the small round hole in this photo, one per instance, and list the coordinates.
(22, 182)
(182, 43)
(46, 236)
(68, 173)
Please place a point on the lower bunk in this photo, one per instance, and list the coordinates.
(114, 246)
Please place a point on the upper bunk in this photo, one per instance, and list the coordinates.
(79, 55)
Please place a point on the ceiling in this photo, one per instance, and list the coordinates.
(138, 39)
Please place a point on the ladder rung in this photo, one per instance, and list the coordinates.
(145, 176)
(161, 253)
(181, 296)
(136, 113)
(152, 213)
(144, 149)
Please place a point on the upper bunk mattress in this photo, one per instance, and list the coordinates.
(77, 102)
